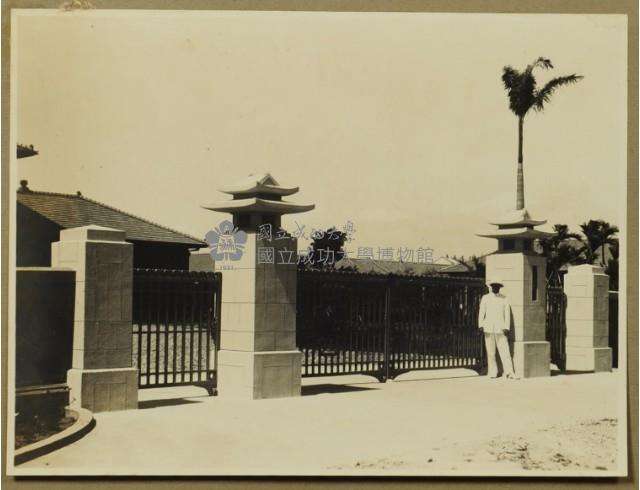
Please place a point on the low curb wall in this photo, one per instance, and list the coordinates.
(83, 425)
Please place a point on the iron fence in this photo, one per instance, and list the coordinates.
(175, 327)
(556, 325)
(347, 323)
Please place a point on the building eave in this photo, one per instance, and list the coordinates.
(517, 218)
(259, 184)
(258, 205)
(523, 232)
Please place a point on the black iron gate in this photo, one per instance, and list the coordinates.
(175, 327)
(350, 323)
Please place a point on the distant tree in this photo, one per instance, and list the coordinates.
(612, 264)
(597, 234)
(560, 250)
(566, 248)
(523, 96)
(477, 266)
(327, 248)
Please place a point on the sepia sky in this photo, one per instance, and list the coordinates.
(396, 122)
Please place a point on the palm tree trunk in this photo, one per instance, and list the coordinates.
(520, 181)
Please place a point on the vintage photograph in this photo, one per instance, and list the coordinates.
(317, 243)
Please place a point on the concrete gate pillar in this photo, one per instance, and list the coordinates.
(101, 378)
(258, 357)
(531, 351)
(587, 342)
(523, 272)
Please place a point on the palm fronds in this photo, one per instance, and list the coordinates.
(543, 96)
(522, 86)
(544, 63)
(510, 77)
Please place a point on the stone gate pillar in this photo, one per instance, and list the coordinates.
(587, 342)
(258, 357)
(523, 272)
(101, 377)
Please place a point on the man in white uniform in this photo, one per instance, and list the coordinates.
(495, 320)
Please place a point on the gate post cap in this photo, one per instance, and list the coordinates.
(93, 233)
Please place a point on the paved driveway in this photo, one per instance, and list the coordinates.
(423, 423)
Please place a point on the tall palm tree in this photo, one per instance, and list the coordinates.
(523, 96)
(597, 234)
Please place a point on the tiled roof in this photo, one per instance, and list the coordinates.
(327, 273)
(70, 211)
(445, 261)
(459, 267)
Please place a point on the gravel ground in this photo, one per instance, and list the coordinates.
(589, 444)
(586, 445)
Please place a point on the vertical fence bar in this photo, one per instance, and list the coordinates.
(192, 311)
(150, 303)
(203, 313)
(160, 293)
(139, 307)
(218, 323)
(183, 336)
(165, 335)
(175, 321)
(387, 330)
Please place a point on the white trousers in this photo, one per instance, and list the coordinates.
(491, 340)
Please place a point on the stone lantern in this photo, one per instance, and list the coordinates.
(257, 200)
(258, 357)
(523, 271)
